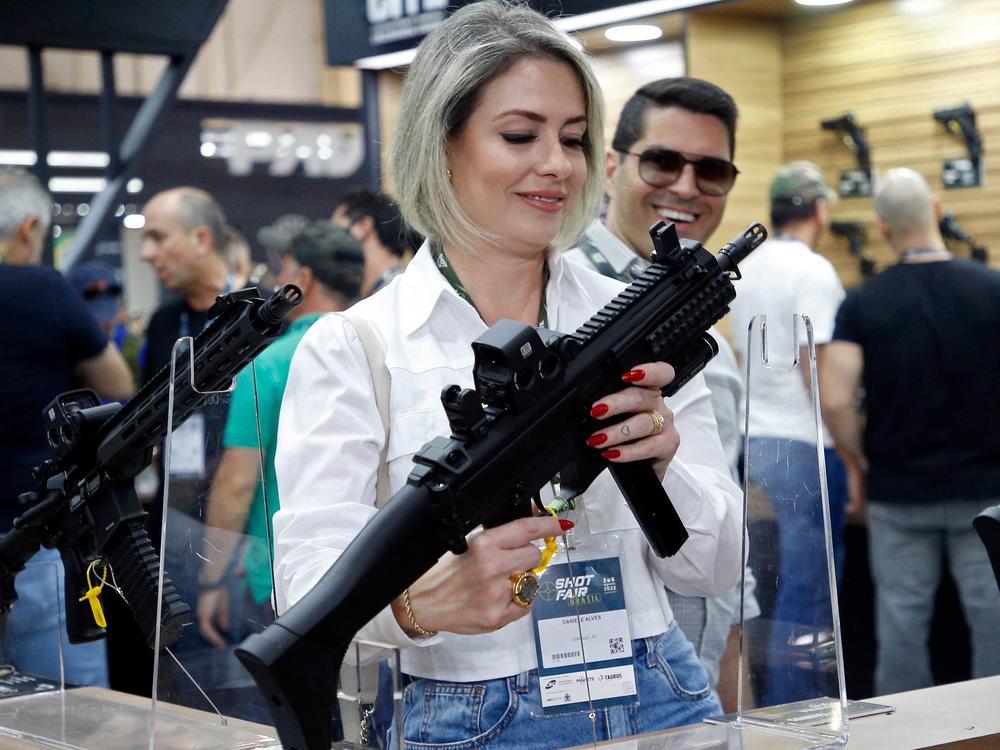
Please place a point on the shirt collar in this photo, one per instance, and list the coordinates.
(303, 322)
(424, 286)
(617, 253)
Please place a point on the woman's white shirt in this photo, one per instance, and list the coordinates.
(330, 437)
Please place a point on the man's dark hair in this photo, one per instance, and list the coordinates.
(692, 94)
(384, 214)
(784, 212)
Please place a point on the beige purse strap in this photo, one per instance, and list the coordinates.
(375, 355)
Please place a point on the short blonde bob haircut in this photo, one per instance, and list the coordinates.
(453, 64)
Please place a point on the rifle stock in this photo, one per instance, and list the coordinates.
(526, 421)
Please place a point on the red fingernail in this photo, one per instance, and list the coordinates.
(599, 411)
(565, 524)
(611, 453)
(633, 375)
(597, 439)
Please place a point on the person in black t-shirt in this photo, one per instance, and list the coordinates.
(51, 344)
(922, 339)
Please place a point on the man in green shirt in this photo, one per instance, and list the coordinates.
(327, 264)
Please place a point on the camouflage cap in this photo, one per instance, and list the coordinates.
(799, 183)
(332, 254)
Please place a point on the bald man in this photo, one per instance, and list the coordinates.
(182, 239)
(921, 338)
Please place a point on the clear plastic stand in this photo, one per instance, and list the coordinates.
(202, 696)
(370, 697)
(796, 678)
(32, 683)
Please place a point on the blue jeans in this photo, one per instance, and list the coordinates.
(787, 470)
(34, 627)
(506, 713)
(908, 544)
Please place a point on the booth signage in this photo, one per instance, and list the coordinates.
(357, 30)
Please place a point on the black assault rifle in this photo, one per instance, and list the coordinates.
(85, 504)
(527, 420)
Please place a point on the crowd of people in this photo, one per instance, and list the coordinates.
(500, 164)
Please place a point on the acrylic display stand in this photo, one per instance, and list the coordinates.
(199, 676)
(794, 686)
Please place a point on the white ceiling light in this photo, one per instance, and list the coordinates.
(823, 2)
(134, 221)
(18, 158)
(87, 159)
(633, 33)
(77, 184)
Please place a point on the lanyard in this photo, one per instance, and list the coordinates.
(184, 326)
(913, 252)
(446, 269)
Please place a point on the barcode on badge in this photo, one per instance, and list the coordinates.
(565, 655)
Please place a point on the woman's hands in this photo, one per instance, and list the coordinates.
(471, 593)
(637, 436)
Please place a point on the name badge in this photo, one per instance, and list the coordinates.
(582, 636)
(187, 448)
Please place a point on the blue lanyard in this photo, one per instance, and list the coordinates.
(184, 326)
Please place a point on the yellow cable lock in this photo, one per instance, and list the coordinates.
(95, 591)
(550, 547)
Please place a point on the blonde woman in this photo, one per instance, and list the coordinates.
(498, 162)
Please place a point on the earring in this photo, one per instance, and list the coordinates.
(449, 174)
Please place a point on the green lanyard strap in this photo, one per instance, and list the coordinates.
(446, 269)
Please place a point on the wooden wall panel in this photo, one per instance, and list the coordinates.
(742, 54)
(621, 71)
(892, 68)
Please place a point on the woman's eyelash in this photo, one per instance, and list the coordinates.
(571, 141)
(518, 137)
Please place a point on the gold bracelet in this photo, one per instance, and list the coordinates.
(413, 620)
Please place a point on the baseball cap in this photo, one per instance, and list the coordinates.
(276, 237)
(98, 285)
(332, 254)
(799, 183)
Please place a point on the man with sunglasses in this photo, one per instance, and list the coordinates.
(671, 160)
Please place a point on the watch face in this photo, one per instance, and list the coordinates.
(527, 586)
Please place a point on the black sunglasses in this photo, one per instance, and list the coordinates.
(661, 167)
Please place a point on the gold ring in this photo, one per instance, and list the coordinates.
(523, 588)
(658, 422)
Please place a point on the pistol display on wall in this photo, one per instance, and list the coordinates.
(856, 235)
(967, 171)
(951, 230)
(858, 182)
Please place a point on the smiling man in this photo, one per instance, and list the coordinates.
(671, 160)
(667, 126)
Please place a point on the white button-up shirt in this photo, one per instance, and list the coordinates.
(330, 437)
